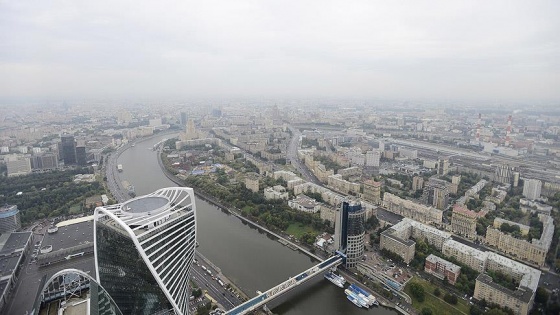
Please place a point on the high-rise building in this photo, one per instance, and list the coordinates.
(350, 231)
(144, 249)
(10, 219)
(81, 157)
(532, 188)
(183, 119)
(68, 149)
(417, 183)
(44, 161)
(436, 193)
(443, 166)
(372, 158)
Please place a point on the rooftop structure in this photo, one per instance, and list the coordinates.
(10, 219)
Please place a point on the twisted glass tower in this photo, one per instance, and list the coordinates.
(144, 249)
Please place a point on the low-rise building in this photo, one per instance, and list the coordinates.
(305, 204)
(442, 269)
(342, 185)
(275, 193)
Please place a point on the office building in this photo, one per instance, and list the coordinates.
(44, 161)
(19, 165)
(10, 219)
(463, 221)
(144, 250)
(532, 188)
(442, 269)
(68, 149)
(81, 156)
(372, 158)
(184, 119)
(350, 231)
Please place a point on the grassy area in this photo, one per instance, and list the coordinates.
(298, 229)
(436, 304)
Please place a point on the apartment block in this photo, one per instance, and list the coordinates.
(337, 183)
(372, 191)
(463, 221)
(411, 209)
(533, 252)
(465, 254)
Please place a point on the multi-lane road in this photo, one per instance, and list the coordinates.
(293, 158)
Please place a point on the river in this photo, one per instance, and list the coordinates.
(252, 260)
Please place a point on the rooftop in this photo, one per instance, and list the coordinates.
(480, 255)
(145, 204)
(521, 294)
(448, 265)
(70, 235)
(14, 242)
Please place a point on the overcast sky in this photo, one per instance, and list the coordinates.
(360, 49)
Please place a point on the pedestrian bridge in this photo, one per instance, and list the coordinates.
(286, 286)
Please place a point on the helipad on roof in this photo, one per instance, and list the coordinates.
(145, 204)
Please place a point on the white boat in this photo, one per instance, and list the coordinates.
(353, 300)
(362, 301)
(336, 280)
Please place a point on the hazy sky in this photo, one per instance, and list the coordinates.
(390, 49)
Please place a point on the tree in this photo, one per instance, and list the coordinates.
(426, 311)
(437, 292)
(541, 296)
(417, 291)
(450, 298)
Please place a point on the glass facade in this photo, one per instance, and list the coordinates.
(145, 249)
(124, 274)
(353, 230)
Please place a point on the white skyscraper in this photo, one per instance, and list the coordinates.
(144, 249)
(532, 188)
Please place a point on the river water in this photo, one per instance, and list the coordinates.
(251, 259)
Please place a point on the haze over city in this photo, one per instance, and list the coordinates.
(498, 51)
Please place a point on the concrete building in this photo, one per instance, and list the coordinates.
(532, 188)
(436, 194)
(252, 182)
(463, 221)
(372, 158)
(45, 161)
(372, 191)
(10, 219)
(305, 204)
(442, 269)
(417, 183)
(350, 231)
(412, 210)
(519, 300)
(337, 183)
(275, 193)
(465, 254)
(18, 166)
(327, 213)
(443, 166)
(532, 252)
(397, 238)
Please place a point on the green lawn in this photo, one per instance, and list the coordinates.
(298, 229)
(437, 304)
